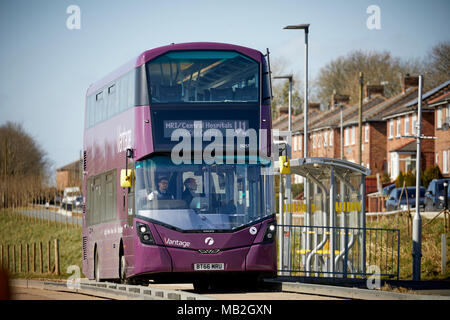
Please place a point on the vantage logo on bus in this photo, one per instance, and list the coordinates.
(170, 242)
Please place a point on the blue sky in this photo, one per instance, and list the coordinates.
(46, 68)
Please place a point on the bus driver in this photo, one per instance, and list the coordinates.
(161, 192)
(189, 191)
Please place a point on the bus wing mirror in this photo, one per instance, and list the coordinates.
(126, 178)
(285, 167)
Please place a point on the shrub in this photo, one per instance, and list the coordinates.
(431, 173)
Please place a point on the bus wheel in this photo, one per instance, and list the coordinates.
(96, 267)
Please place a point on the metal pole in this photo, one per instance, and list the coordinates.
(361, 94)
(281, 222)
(342, 134)
(362, 224)
(305, 108)
(307, 185)
(288, 211)
(332, 221)
(289, 154)
(417, 221)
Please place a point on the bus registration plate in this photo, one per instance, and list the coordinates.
(209, 266)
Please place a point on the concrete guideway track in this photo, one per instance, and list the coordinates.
(270, 290)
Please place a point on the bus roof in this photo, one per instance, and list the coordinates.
(153, 53)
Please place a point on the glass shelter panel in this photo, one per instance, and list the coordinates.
(331, 240)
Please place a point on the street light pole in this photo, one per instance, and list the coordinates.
(417, 221)
(361, 94)
(305, 27)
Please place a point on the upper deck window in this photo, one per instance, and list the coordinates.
(203, 76)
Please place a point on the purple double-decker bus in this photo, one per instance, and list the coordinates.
(177, 183)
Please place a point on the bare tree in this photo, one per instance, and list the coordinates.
(438, 65)
(280, 87)
(342, 74)
(23, 163)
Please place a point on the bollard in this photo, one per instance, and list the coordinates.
(57, 256)
(14, 259)
(443, 253)
(41, 260)
(7, 257)
(48, 257)
(20, 258)
(27, 257)
(34, 257)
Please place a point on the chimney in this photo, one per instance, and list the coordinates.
(373, 89)
(313, 107)
(408, 82)
(337, 99)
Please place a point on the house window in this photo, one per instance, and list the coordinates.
(439, 118)
(346, 137)
(391, 128)
(331, 138)
(445, 161)
(406, 125)
(353, 135)
(366, 133)
(447, 113)
(299, 143)
(399, 127)
(295, 142)
(325, 138)
(414, 124)
(314, 140)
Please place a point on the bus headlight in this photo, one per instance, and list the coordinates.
(144, 233)
(271, 231)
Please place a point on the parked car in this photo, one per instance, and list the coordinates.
(434, 196)
(70, 195)
(392, 202)
(79, 201)
(441, 204)
(387, 190)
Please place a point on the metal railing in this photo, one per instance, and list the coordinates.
(321, 251)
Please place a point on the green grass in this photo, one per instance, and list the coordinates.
(15, 229)
(431, 246)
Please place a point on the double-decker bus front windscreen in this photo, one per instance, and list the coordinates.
(200, 197)
(203, 76)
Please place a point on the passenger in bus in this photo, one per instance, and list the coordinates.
(190, 186)
(161, 192)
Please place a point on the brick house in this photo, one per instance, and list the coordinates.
(68, 175)
(441, 104)
(400, 123)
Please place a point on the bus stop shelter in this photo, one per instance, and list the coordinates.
(331, 239)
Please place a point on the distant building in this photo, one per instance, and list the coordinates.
(401, 122)
(441, 132)
(385, 124)
(69, 175)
